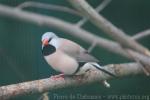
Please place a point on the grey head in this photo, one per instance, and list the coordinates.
(48, 36)
(48, 43)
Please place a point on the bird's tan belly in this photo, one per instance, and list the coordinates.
(62, 63)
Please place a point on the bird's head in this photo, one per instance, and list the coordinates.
(49, 43)
(47, 37)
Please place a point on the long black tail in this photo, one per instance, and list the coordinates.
(103, 70)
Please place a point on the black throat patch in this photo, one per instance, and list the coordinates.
(48, 49)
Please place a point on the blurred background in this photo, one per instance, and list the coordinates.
(20, 47)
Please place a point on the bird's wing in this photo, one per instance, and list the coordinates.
(86, 57)
(74, 50)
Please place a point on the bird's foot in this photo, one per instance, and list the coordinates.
(56, 77)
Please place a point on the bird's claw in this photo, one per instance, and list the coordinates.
(56, 77)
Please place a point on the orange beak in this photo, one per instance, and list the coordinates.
(45, 42)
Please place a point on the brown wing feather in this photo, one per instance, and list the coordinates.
(76, 51)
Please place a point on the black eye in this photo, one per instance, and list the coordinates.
(49, 39)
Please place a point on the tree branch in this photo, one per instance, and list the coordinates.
(98, 9)
(48, 7)
(52, 22)
(69, 28)
(107, 26)
(43, 85)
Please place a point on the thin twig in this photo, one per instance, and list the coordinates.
(108, 27)
(99, 8)
(44, 85)
(92, 46)
(48, 7)
(137, 36)
(141, 34)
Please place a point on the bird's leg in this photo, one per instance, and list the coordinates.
(60, 76)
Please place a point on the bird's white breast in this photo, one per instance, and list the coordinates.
(62, 62)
